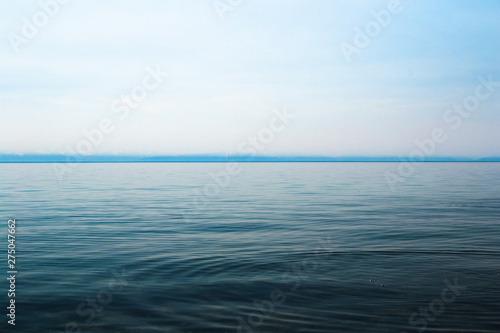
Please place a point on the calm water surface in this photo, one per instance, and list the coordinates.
(284, 247)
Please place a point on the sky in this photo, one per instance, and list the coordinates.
(287, 77)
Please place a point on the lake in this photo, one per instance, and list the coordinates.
(272, 247)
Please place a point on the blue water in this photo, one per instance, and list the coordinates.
(284, 247)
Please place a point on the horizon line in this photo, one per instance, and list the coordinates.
(219, 158)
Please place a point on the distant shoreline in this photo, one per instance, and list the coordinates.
(33, 158)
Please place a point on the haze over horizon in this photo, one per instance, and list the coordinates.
(211, 80)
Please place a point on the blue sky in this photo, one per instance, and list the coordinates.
(227, 77)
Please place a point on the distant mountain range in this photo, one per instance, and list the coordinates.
(55, 158)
